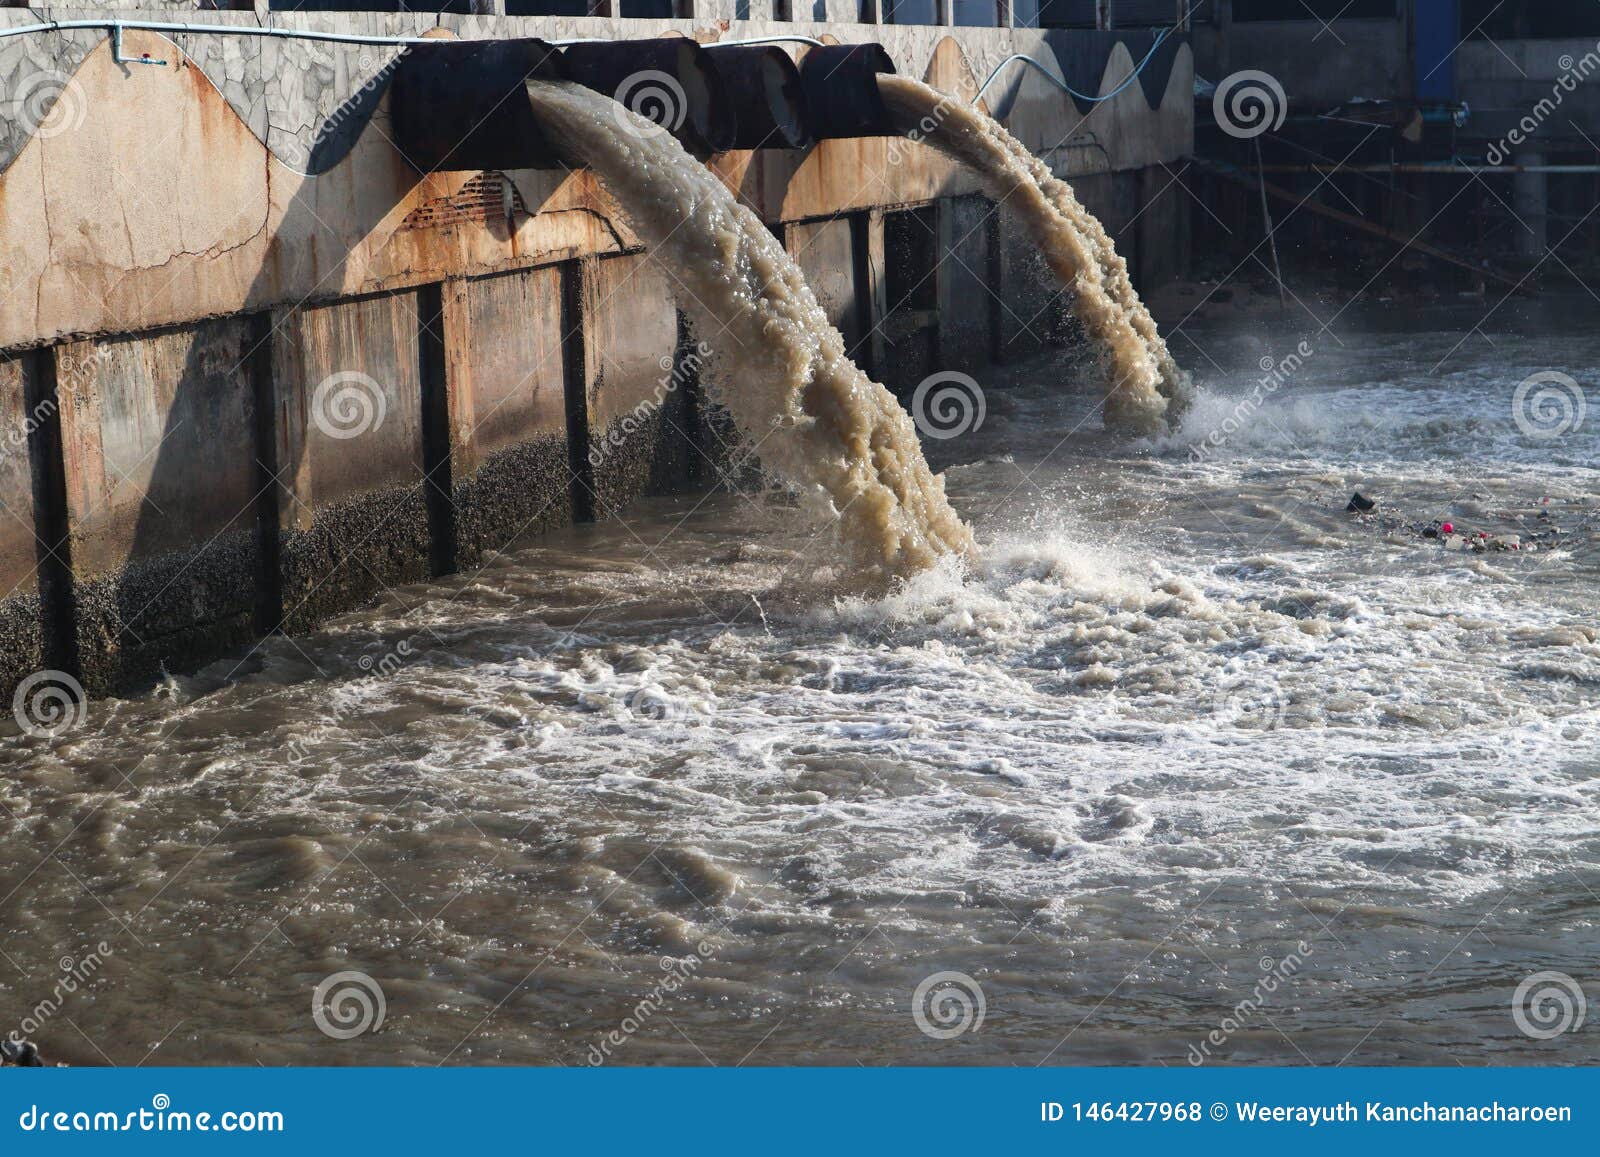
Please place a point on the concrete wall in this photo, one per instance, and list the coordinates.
(1505, 82)
(634, 436)
(157, 434)
(1369, 58)
(510, 471)
(255, 370)
(969, 301)
(825, 251)
(347, 394)
(21, 610)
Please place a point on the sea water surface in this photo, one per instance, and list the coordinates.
(1191, 766)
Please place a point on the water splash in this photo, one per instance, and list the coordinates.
(780, 368)
(1147, 387)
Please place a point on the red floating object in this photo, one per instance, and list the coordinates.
(1447, 528)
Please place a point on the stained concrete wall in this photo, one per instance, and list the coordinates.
(351, 499)
(21, 611)
(157, 434)
(633, 417)
(277, 372)
(279, 182)
(510, 471)
(825, 250)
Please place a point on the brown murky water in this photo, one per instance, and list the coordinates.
(778, 365)
(1145, 391)
(1185, 725)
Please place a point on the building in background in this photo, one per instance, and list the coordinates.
(1476, 121)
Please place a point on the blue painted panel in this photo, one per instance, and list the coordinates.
(1438, 32)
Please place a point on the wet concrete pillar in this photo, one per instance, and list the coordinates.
(1162, 227)
(634, 419)
(967, 304)
(160, 481)
(875, 283)
(26, 408)
(505, 410)
(348, 410)
(825, 252)
(1531, 203)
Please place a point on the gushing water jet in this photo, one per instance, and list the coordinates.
(780, 369)
(1147, 388)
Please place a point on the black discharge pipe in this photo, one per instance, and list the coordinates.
(461, 105)
(841, 90)
(670, 80)
(769, 100)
